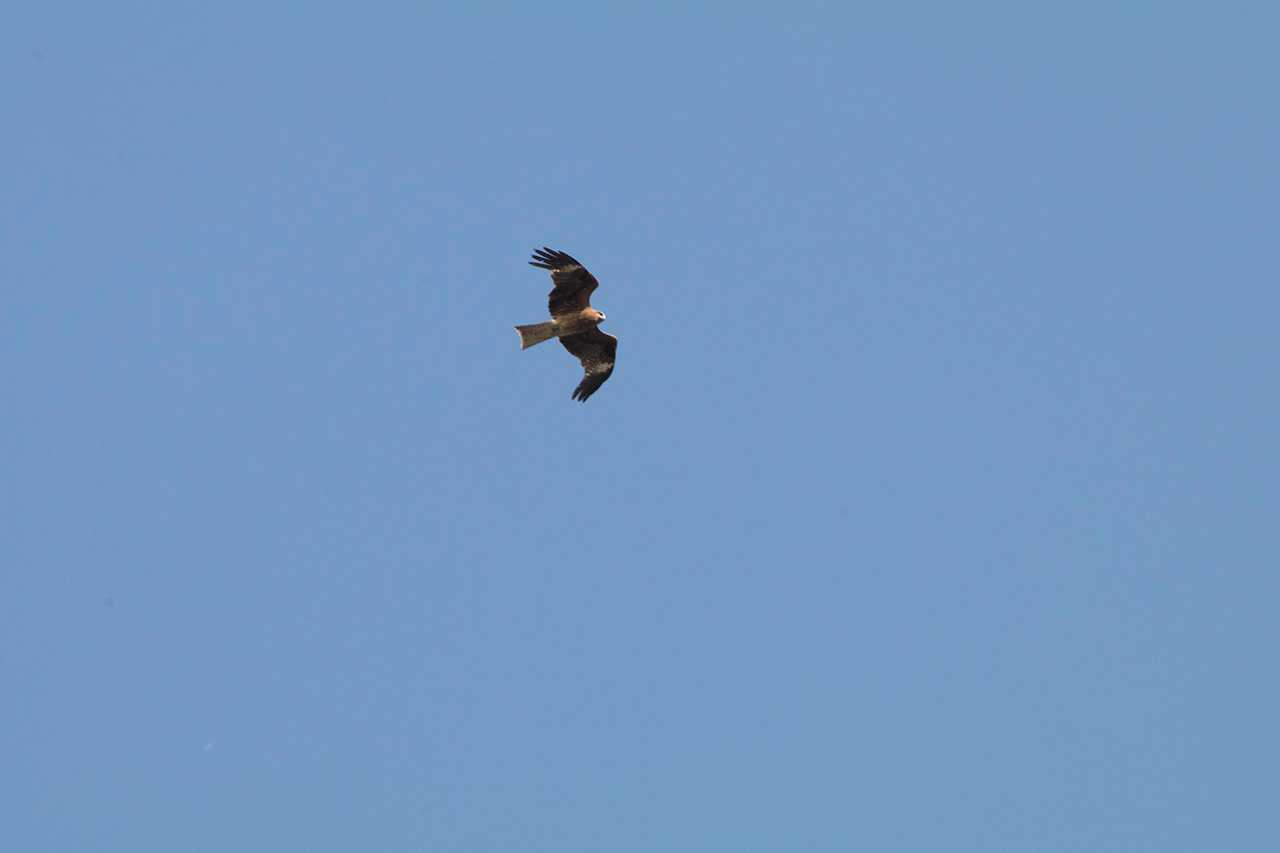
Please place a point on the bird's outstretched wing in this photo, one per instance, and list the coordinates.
(573, 284)
(596, 350)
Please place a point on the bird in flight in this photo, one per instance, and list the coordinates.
(573, 320)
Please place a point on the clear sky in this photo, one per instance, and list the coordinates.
(932, 505)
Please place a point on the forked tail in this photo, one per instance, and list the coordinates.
(535, 333)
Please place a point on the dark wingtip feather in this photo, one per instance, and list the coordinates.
(544, 258)
(552, 259)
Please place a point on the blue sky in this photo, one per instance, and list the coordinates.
(931, 505)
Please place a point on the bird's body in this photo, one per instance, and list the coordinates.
(573, 320)
(566, 324)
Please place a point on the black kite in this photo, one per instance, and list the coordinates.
(573, 320)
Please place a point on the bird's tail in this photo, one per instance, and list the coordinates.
(536, 333)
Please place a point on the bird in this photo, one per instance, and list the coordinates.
(573, 320)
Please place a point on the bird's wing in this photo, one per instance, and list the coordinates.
(573, 284)
(596, 350)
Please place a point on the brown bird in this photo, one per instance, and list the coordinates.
(573, 320)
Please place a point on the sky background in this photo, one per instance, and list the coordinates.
(932, 504)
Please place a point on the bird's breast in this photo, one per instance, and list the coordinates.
(579, 321)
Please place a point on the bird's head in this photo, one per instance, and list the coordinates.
(599, 316)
